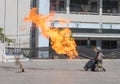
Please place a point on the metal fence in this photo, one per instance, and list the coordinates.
(82, 51)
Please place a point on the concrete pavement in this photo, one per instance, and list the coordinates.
(59, 72)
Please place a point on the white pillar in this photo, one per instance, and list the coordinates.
(57, 6)
(2, 52)
(88, 42)
(68, 6)
(99, 43)
(43, 8)
(100, 12)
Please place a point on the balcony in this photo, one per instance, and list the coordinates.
(86, 7)
(80, 25)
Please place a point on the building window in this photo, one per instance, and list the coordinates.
(78, 5)
(92, 43)
(81, 42)
(33, 3)
(58, 5)
(110, 6)
(109, 44)
(84, 6)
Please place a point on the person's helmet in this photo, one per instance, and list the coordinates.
(99, 48)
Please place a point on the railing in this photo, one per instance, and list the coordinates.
(89, 53)
(108, 53)
(89, 13)
(85, 13)
(86, 25)
(63, 12)
(112, 14)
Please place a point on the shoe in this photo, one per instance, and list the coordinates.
(23, 70)
(85, 68)
(104, 70)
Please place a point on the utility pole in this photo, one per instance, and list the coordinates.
(17, 42)
(3, 56)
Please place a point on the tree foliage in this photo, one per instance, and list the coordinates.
(4, 38)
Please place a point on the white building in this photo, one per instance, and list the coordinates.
(97, 21)
(12, 14)
(93, 22)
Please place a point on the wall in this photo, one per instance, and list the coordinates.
(12, 18)
(89, 18)
(42, 42)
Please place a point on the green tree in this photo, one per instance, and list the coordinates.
(4, 38)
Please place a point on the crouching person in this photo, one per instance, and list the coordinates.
(18, 63)
(98, 66)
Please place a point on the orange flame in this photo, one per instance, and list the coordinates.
(63, 21)
(61, 40)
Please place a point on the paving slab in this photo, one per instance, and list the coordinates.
(59, 71)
